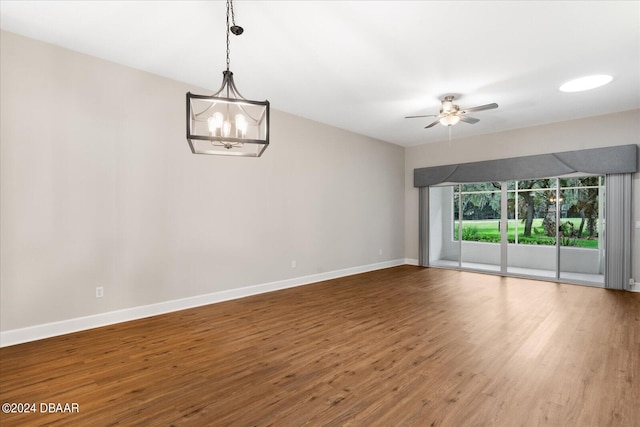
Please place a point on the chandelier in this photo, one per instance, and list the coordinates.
(226, 123)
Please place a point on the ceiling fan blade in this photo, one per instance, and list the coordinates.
(470, 120)
(432, 124)
(416, 117)
(480, 108)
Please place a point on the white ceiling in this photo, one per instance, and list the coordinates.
(364, 65)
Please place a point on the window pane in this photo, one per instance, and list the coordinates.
(534, 184)
(580, 212)
(589, 181)
(481, 186)
(536, 212)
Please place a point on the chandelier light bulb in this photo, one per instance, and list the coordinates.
(226, 128)
(215, 122)
(241, 126)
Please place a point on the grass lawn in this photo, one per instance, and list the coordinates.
(487, 231)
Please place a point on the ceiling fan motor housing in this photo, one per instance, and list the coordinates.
(448, 107)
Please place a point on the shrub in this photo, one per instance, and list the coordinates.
(470, 233)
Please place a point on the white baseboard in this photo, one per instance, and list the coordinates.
(47, 330)
(411, 261)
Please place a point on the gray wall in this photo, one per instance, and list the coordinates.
(614, 129)
(99, 188)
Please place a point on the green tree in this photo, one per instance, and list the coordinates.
(587, 205)
(530, 200)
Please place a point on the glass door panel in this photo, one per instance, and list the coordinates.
(581, 248)
(444, 249)
(479, 226)
(531, 250)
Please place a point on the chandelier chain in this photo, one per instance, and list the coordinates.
(232, 28)
(233, 15)
(228, 49)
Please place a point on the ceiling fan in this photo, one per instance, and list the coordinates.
(450, 113)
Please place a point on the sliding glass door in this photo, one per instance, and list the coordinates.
(444, 248)
(477, 225)
(546, 228)
(581, 226)
(532, 243)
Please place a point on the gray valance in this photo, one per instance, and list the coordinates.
(606, 160)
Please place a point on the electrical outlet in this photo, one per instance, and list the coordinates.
(380, 252)
(99, 292)
(294, 264)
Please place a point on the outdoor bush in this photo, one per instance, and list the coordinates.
(470, 233)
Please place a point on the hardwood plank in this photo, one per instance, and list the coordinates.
(400, 346)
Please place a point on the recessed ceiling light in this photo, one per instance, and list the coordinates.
(585, 83)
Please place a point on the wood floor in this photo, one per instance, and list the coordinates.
(405, 346)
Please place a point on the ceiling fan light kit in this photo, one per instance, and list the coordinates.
(451, 114)
(226, 123)
(449, 120)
